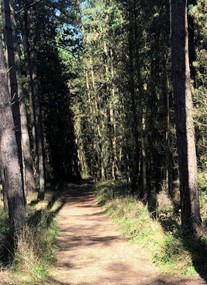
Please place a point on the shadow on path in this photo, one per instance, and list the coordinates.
(92, 251)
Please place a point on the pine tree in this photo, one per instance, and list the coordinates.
(9, 153)
(190, 211)
(19, 111)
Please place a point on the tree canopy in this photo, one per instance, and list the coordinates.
(95, 83)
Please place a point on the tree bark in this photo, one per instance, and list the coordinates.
(35, 106)
(136, 154)
(17, 93)
(190, 210)
(8, 32)
(9, 153)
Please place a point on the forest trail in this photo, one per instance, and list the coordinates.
(93, 252)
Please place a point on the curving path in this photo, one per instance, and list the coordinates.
(93, 252)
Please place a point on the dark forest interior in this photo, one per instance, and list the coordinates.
(105, 90)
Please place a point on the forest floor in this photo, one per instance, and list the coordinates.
(91, 250)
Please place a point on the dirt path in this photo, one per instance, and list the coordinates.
(93, 252)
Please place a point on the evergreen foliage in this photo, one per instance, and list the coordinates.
(96, 78)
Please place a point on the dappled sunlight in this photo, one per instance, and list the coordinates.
(92, 251)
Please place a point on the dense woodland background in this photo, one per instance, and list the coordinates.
(102, 90)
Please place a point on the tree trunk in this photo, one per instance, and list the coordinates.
(190, 210)
(99, 122)
(115, 166)
(110, 93)
(4, 188)
(35, 106)
(8, 32)
(136, 154)
(16, 91)
(9, 153)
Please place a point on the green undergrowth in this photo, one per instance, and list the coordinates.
(27, 258)
(161, 238)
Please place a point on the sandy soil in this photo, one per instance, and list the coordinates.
(93, 252)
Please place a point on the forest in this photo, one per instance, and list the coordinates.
(105, 92)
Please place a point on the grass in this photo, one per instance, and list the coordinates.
(161, 238)
(27, 259)
(29, 262)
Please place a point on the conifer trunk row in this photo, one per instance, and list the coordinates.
(9, 153)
